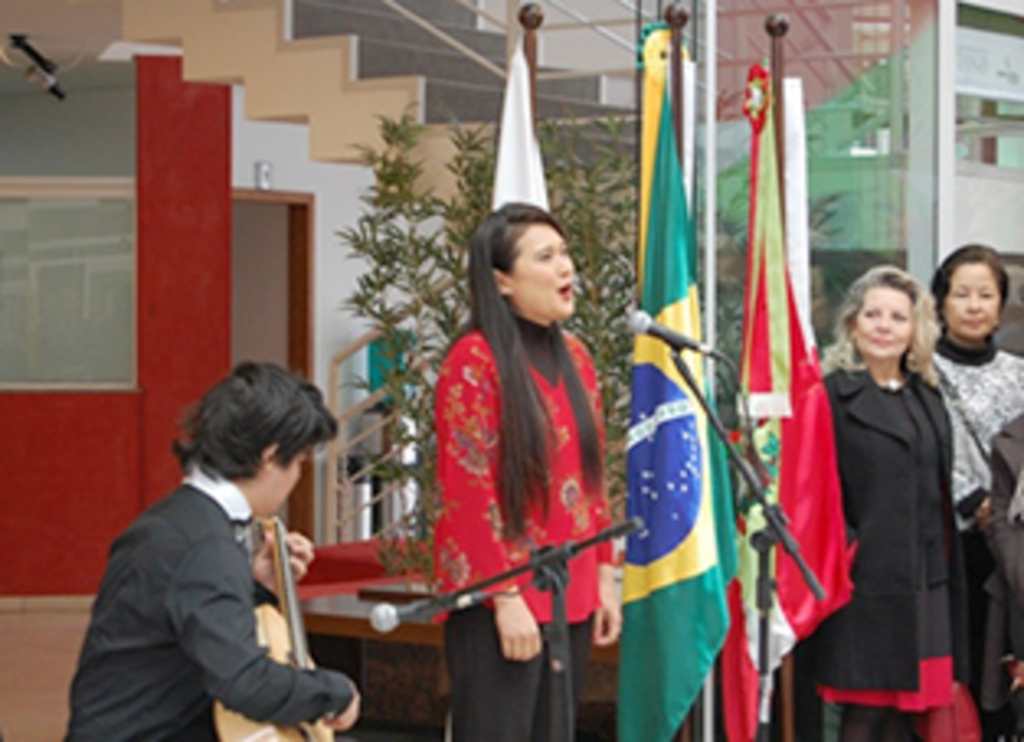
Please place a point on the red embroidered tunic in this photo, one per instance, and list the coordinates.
(468, 541)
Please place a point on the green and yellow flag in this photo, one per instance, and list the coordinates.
(677, 567)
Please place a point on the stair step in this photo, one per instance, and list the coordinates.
(371, 19)
(311, 80)
(449, 102)
(390, 45)
(351, 63)
(445, 13)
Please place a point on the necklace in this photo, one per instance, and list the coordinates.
(893, 385)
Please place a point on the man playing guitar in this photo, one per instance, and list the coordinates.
(173, 628)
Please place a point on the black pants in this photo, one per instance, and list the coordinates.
(495, 699)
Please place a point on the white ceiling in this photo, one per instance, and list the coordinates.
(71, 33)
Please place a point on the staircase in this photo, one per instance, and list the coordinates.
(308, 81)
(348, 63)
(458, 87)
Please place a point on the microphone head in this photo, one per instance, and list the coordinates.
(640, 322)
(384, 618)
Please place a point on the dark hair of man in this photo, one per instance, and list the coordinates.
(525, 431)
(942, 281)
(258, 406)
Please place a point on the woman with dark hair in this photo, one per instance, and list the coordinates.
(520, 439)
(984, 390)
(894, 650)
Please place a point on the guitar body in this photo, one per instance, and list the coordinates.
(274, 633)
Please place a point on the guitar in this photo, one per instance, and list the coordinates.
(284, 636)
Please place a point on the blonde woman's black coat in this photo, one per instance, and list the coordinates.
(872, 642)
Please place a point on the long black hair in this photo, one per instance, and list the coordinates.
(525, 433)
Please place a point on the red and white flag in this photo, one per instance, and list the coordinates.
(793, 436)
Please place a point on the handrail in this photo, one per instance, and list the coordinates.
(340, 513)
(581, 22)
(599, 29)
(480, 12)
(437, 33)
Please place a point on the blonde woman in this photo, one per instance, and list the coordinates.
(896, 648)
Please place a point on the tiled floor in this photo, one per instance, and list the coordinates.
(38, 650)
(37, 659)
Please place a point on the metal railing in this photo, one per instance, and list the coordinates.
(360, 450)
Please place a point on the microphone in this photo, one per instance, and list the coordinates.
(640, 323)
(385, 617)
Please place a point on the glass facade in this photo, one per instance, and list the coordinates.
(870, 78)
(989, 177)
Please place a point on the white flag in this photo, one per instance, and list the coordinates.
(798, 243)
(519, 172)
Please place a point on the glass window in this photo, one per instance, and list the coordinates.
(67, 286)
(990, 148)
(869, 73)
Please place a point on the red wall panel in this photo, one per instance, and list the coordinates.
(184, 232)
(69, 471)
(76, 468)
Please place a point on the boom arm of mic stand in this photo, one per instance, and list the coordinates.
(477, 593)
(549, 556)
(773, 514)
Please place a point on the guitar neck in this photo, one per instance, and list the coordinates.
(288, 596)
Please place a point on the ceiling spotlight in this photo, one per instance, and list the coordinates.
(41, 72)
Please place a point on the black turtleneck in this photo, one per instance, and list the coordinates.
(966, 356)
(539, 344)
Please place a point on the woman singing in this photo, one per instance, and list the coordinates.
(520, 438)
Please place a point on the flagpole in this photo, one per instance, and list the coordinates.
(638, 89)
(710, 175)
(710, 59)
(692, 119)
(776, 25)
(677, 17)
(530, 18)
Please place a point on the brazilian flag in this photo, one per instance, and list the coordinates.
(678, 566)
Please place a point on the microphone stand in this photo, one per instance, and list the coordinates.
(763, 541)
(551, 574)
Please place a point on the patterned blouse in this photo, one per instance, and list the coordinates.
(985, 387)
(469, 544)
